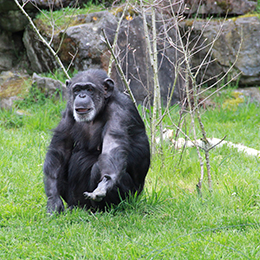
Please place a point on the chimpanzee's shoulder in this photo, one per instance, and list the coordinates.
(122, 108)
(122, 100)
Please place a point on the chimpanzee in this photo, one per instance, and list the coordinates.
(99, 152)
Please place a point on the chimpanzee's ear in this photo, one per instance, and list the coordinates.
(108, 87)
(68, 82)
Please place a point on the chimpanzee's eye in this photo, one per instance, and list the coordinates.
(76, 91)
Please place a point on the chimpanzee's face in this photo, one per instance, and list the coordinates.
(88, 95)
(87, 101)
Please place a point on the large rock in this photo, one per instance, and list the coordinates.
(137, 67)
(50, 87)
(236, 41)
(85, 42)
(12, 54)
(11, 86)
(40, 57)
(6, 51)
(83, 47)
(13, 21)
(11, 18)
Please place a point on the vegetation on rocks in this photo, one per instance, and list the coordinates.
(59, 20)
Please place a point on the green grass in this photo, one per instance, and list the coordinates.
(258, 6)
(169, 220)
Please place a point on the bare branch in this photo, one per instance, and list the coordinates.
(116, 37)
(42, 39)
(122, 75)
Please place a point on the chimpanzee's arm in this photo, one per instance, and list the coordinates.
(55, 165)
(113, 160)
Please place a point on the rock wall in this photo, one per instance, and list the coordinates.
(236, 40)
(219, 7)
(83, 45)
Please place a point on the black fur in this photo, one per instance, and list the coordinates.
(96, 163)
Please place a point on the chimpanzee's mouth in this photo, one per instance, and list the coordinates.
(83, 110)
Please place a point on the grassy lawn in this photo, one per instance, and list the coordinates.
(169, 220)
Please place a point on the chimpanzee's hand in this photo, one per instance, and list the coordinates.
(54, 204)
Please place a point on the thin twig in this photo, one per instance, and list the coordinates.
(188, 76)
(121, 73)
(152, 53)
(116, 37)
(213, 146)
